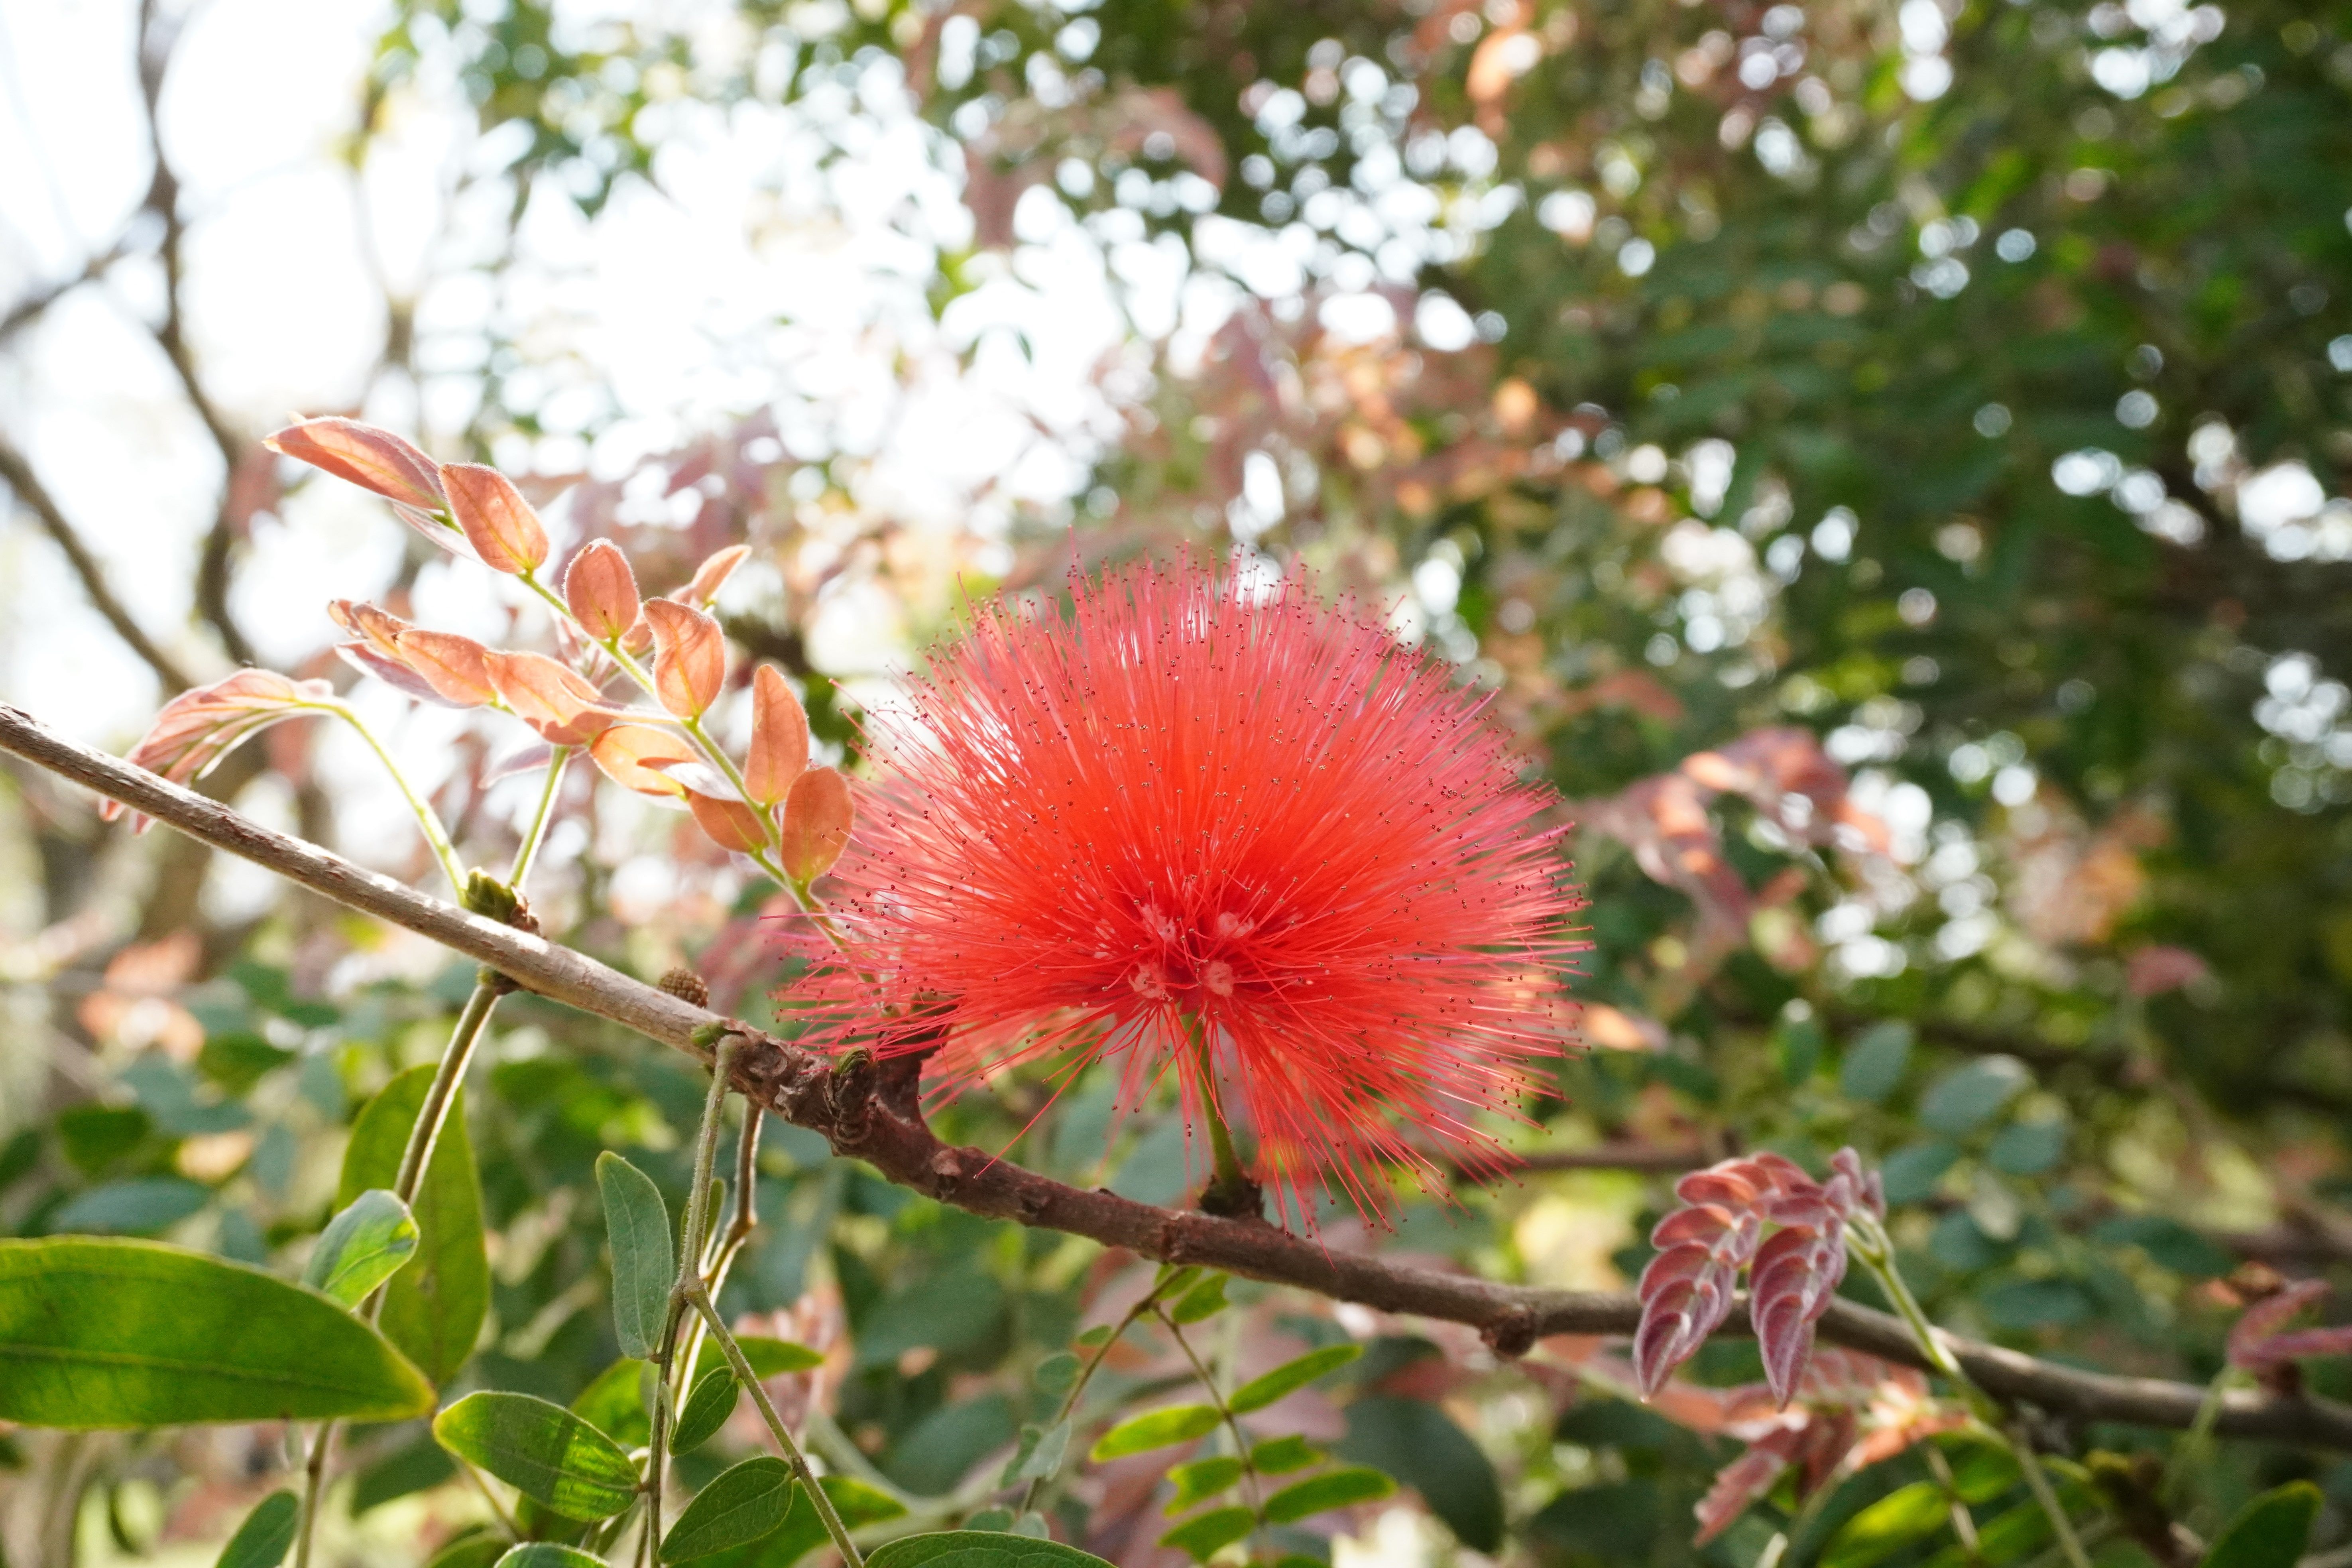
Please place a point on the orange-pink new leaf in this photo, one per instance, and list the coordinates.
(196, 729)
(689, 657)
(712, 576)
(370, 458)
(731, 823)
(498, 522)
(455, 666)
(632, 755)
(780, 738)
(817, 818)
(601, 591)
(550, 698)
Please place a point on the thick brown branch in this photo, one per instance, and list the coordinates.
(16, 472)
(863, 1111)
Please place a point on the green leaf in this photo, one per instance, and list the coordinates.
(1290, 1376)
(1040, 1456)
(1280, 1456)
(1157, 1429)
(616, 1403)
(1875, 1062)
(140, 1208)
(1902, 1518)
(1205, 1300)
(744, 1503)
(977, 1549)
(1098, 1335)
(98, 1333)
(802, 1532)
(267, 1534)
(643, 1265)
(1203, 1480)
(1333, 1488)
(2270, 1532)
(361, 1247)
(473, 1552)
(432, 1309)
(773, 1357)
(708, 1404)
(542, 1450)
(1203, 1536)
(1963, 1100)
(547, 1554)
(1058, 1372)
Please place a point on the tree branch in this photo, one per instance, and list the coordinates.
(867, 1110)
(16, 472)
(157, 36)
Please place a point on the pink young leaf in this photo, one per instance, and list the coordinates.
(370, 457)
(1741, 1482)
(2255, 1342)
(1795, 1274)
(1686, 1291)
(195, 730)
(363, 658)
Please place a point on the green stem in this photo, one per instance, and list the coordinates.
(528, 850)
(1234, 1427)
(1231, 1191)
(415, 1156)
(689, 1275)
(745, 1375)
(435, 836)
(1085, 1372)
(1871, 1244)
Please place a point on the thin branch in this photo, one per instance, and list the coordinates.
(31, 308)
(157, 34)
(16, 472)
(866, 1111)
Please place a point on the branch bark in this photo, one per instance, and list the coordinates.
(869, 1111)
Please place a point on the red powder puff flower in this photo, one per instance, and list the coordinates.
(1239, 838)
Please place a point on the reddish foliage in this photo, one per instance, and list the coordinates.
(1686, 1291)
(2256, 1344)
(196, 729)
(1192, 807)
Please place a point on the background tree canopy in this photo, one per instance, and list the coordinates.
(1884, 461)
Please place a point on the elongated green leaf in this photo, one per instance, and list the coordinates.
(1203, 1536)
(979, 1549)
(1291, 1376)
(773, 1357)
(361, 1247)
(1040, 1456)
(1205, 1300)
(2270, 1532)
(616, 1403)
(802, 1532)
(547, 1554)
(644, 1267)
(1902, 1518)
(1056, 1372)
(542, 1450)
(741, 1505)
(1280, 1456)
(133, 1333)
(1203, 1480)
(267, 1534)
(1157, 1429)
(707, 1405)
(1332, 1489)
(432, 1309)
(473, 1552)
